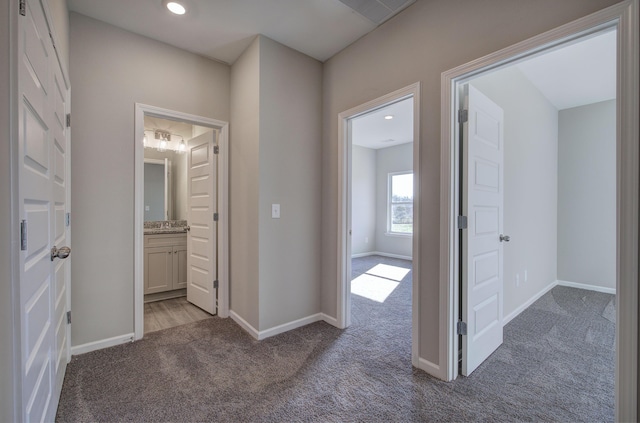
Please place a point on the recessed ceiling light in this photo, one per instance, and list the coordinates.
(175, 7)
(388, 117)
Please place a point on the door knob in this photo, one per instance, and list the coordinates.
(188, 228)
(61, 253)
(505, 238)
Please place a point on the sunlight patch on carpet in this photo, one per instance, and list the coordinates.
(373, 287)
(388, 272)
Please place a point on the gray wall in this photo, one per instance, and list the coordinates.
(244, 130)
(275, 118)
(530, 184)
(109, 74)
(154, 191)
(363, 200)
(370, 172)
(587, 195)
(418, 45)
(391, 159)
(290, 175)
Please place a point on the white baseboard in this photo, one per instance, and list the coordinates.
(528, 303)
(548, 288)
(359, 255)
(276, 330)
(588, 287)
(380, 253)
(244, 324)
(331, 320)
(431, 368)
(103, 343)
(286, 327)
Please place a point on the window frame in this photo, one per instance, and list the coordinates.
(391, 203)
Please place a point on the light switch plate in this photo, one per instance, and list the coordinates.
(146, 208)
(275, 211)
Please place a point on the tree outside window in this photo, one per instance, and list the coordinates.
(400, 219)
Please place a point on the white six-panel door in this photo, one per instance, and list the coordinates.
(43, 186)
(482, 249)
(202, 235)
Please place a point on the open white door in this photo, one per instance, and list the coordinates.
(43, 186)
(201, 210)
(482, 246)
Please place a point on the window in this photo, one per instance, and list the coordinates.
(400, 219)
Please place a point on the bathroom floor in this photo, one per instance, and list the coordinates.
(169, 313)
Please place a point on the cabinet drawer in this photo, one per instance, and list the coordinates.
(165, 240)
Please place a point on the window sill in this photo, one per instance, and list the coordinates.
(398, 235)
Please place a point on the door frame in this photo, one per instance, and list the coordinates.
(625, 17)
(142, 110)
(343, 319)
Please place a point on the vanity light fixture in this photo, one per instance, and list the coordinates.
(164, 137)
(182, 147)
(175, 7)
(388, 117)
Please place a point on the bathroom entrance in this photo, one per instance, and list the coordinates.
(180, 219)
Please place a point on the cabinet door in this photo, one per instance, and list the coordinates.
(158, 269)
(179, 266)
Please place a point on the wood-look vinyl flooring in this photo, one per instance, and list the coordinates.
(169, 313)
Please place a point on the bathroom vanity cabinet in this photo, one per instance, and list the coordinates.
(165, 262)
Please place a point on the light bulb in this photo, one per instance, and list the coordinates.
(182, 147)
(177, 8)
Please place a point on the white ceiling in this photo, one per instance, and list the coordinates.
(372, 130)
(222, 29)
(579, 74)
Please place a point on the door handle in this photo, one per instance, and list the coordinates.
(505, 238)
(61, 253)
(188, 228)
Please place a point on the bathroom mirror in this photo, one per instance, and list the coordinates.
(165, 182)
(157, 189)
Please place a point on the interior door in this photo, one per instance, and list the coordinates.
(43, 190)
(202, 235)
(482, 246)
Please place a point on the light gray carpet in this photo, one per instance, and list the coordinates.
(557, 364)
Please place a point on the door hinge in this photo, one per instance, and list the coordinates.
(67, 219)
(68, 120)
(23, 7)
(23, 235)
(69, 317)
(216, 149)
(462, 222)
(216, 217)
(215, 284)
(461, 329)
(463, 116)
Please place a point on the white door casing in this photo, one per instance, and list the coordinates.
(482, 248)
(43, 192)
(202, 234)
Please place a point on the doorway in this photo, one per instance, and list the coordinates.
(627, 169)
(395, 226)
(199, 195)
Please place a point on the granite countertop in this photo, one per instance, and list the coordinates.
(165, 227)
(156, 231)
